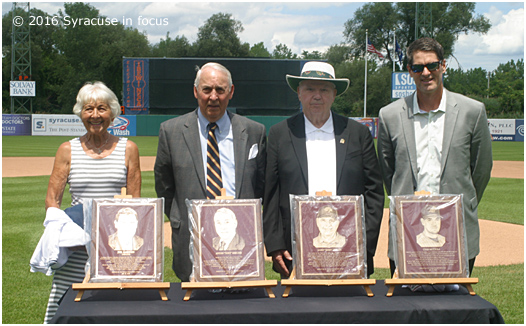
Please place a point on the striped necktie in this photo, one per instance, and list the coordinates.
(214, 183)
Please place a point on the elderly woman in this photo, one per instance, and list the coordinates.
(96, 165)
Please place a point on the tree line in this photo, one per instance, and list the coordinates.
(65, 57)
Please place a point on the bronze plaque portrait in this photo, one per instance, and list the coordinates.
(227, 240)
(127, 240)
(430, 236)
(328, 237)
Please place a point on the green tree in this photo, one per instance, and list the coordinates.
(382, 19)
(314, 55)
(259, 51)
(46, 62)
(218, 37)
(351, 102)
(508, 85)
(282, 51)
(337, 54)
(94, 52)
(170, 48)
(472, 82)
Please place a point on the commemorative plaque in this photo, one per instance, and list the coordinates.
(328, 237)
(226, 240)
(127, 240)
(430, 236)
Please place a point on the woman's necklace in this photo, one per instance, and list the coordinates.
(99, 150)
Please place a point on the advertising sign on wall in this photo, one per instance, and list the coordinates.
(71, 125)
(22, 88)
(371, 123)
(16, 125)
(503, 129)
(57, 125)
(402, 84)
(124, 126)
(136, 86)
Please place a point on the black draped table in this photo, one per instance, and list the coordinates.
(312, 304)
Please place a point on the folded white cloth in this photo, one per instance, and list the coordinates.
(52, 250)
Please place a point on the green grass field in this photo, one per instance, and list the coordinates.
(47, 146)
(25, 294)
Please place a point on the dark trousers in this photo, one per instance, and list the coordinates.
(392, 266)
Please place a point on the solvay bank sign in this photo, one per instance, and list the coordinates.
(402, 85)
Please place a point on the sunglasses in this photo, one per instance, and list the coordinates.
(430, 66)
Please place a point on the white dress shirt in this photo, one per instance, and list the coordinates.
(321, 157)
(225, 142)
(429, 133)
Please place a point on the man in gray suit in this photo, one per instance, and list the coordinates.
(180, 166)
(318, 150)
(436, 141)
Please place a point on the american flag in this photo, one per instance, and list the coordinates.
(371, 48)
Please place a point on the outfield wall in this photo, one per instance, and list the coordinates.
(148, 125)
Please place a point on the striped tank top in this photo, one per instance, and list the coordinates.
(96, 178)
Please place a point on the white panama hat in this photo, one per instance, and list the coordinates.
(316, 70)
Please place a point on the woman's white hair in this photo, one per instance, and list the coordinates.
(95, 92)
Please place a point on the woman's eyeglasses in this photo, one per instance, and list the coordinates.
(430, 66)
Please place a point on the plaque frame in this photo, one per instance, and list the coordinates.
(311, 255)
(143, 262)
(212, 263)
(417, 257)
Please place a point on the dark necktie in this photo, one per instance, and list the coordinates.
(214, 183)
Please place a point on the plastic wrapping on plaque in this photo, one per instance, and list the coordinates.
(430, 236)
(226, 240)
(127, 240)
(328, 237)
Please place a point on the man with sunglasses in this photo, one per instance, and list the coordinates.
(436, 141)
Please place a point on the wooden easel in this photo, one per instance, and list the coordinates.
(431, 281)
(428, 281)
(192, 285)
(81, 287)
(348, 282)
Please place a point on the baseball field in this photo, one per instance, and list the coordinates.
(27, 163)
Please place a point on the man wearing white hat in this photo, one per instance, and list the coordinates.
(318, 150)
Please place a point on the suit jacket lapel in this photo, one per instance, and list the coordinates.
(341, 137)
(408, 126)
(297, 136)
(240, 135)
(191, 138)
(449, 126)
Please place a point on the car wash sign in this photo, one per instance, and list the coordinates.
(22, 88)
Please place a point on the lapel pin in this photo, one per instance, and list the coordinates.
(342, 141)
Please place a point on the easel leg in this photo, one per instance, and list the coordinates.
(470, 289)
(368, 290)
(187, 295)
(79, 296)
(163, 295)
(286, 292)
(269, 292)
(390, 291)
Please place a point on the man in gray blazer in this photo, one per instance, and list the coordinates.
(318, 150)
(435, 140)
(180, 166)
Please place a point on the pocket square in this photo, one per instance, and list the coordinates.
(253, 152)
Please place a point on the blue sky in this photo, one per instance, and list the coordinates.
(308, 25)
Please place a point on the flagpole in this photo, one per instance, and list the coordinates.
(394, 49)
(365, 85)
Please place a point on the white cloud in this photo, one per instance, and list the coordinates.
(506, 35)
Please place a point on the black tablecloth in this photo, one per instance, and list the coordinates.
(313, 304)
